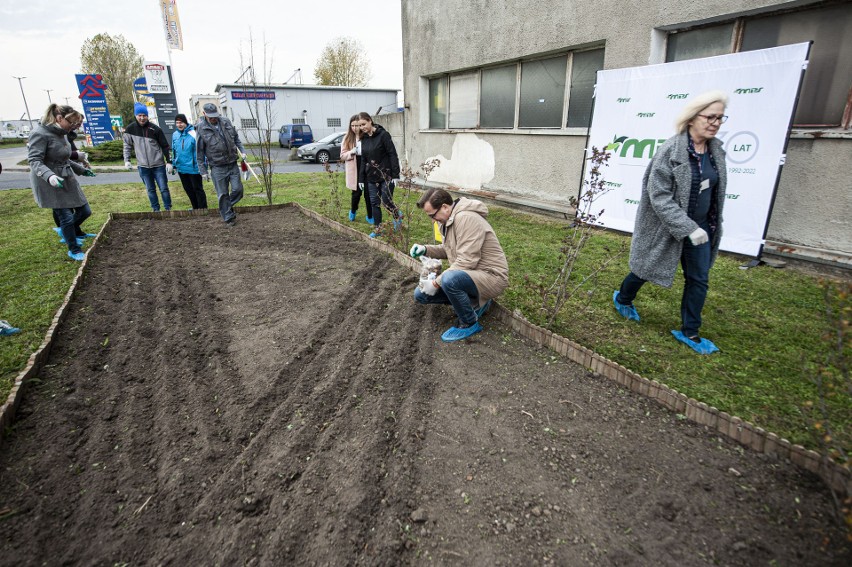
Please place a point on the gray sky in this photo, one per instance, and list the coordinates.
(41, 40)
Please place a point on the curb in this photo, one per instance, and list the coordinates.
(838, 478)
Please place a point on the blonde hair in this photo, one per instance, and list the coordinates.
(695, 105)
(62, 110)
(350, 139)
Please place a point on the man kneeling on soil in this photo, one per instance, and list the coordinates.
(478, 268)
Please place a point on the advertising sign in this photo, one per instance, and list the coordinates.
(98, 124)
(140, 86)
(166, 105)
(157, 78)
(635, 110)
(252, 95)
(171, 24)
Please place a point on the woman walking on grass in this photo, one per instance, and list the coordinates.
(52, 173)
(351, 159)
(378, 170)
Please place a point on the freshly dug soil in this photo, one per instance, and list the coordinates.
(270, 394)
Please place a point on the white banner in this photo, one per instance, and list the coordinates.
(171, 24)
(157, 77)
(635, 110)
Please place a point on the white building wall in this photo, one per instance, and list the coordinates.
(813, 201)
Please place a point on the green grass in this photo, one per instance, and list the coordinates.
(767, 322)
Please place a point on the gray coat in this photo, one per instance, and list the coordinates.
(217, 146)
(50, 154)
(661, 220)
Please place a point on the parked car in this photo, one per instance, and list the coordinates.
(295, 135)
(321, 152)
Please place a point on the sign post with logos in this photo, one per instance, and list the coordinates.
(158, 80)
(635, 110)
(98, 125)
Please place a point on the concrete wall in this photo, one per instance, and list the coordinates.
(454, 35)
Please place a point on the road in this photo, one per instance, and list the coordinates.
(9, 157)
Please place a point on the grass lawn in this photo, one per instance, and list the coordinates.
(768, 322)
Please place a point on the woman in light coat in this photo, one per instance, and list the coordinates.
(52, 173)
(352, 165)
(680, 216)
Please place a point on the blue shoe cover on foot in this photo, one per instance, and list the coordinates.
(456, 334)
(374, 235)
(370, 220)
(79, 256)
(626, 311)
(58, 231)
(706, 346)
(351, 216)
(7, 329)
(87, 235)
(483, 310)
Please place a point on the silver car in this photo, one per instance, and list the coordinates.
(324, 150)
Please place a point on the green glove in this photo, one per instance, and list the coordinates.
(89, 173)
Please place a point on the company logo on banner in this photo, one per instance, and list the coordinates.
(98, 125)
(635, 110)
(156, 77)
(171, 24)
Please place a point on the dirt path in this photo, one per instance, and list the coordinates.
(271, 395)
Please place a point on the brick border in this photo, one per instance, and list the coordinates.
(743, 432)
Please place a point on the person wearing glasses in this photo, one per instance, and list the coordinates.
(52, 173)
(679, 218)
(478, 268)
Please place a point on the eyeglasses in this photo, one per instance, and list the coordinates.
(74, 125)
(713, 118)
(432, 215)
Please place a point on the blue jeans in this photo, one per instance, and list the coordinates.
(69, 219)
(151, 174)
(222, 176)
(695, 261)
(381, 194)
(457, 289)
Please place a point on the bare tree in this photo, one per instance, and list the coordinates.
(343, 62)
(118, 62)
(261, 108)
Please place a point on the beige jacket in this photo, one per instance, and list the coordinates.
(470, 245)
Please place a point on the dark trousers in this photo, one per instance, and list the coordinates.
(381, 194)
(77, 230)
(70, 218)
(695, 261)
(356, 198)
(193, 184)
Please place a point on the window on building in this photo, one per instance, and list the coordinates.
(438, 102)
(529, 94)
(824, 99)
(247, 123)
(464, 95)
(584, 72)
(298, 121)
(333, 122)
(542, 97)
(499, 88)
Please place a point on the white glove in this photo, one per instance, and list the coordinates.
(417, 250)
(127, 165)
(170, 169)
(361, 186)
(55, 181)
(427, 285)
(698, 236)
(242, 155)
(83, 157)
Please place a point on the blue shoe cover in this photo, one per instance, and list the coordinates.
(483, 310)
(374, 235)
(58, 231)
(79, 241)
(706, 346)
(87, 235)
(455, 334)
(626, 311)
(79, 256)
(7, 329)
(351, 216)
(370, 220)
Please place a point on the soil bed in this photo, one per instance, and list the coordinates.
(270, 394)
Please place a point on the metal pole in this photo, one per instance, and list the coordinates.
(20, 84)
(48, 91)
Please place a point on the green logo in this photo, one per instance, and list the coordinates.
(646, 114)
(731, 196)
(631, 202)
(749, 91)
(677, 96)
(624, 100)
(612, 184)
(622, 146)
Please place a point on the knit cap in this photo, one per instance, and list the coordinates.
(140, 108)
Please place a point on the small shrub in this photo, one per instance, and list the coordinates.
(107, 152)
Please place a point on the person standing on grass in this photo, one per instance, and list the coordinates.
(680, 216)
(378, 170)
(478, 268)
(52, 172)
(149, 144)
(219, 149)
(83, 159)
(185, 161)
(352, 165)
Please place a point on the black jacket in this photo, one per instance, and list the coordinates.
(379, 161)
